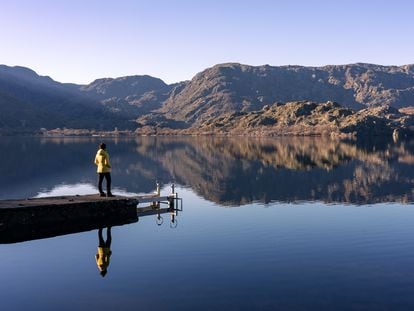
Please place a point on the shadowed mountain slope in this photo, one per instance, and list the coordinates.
(29, 101)
(130, 96)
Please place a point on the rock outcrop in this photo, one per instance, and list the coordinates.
(297, 119)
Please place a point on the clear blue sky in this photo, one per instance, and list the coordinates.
(81, 40)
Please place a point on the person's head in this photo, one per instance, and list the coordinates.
(102, 146)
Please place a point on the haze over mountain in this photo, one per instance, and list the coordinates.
(29, 101)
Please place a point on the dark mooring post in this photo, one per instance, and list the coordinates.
(171, 200)
(171, 204)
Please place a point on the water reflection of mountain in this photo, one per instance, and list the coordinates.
(238, 171)
(226, 171)
(31, 165)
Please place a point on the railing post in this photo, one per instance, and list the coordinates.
(158, 191)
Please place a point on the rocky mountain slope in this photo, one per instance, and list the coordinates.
(29, 101)
(232, 87)
(309, 118)
(302, 118)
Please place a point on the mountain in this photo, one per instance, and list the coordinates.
(233, 87)
(130, 96)
(29, 102)
(123, 86)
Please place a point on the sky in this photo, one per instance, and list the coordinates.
(82, 40)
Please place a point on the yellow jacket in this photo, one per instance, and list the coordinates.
(102, 258)
(102, 161)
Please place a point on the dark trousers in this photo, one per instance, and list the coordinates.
(107, 176)
(102, 242)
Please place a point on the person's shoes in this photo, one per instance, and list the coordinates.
(110, 195)
(102, 194)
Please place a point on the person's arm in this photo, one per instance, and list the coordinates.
(108, 164)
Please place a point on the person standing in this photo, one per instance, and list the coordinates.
(104, 170)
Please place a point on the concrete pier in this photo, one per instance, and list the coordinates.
(65, 208)
(23, 220)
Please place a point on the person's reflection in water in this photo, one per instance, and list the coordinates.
(104, 251)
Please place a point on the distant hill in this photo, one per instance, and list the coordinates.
(123, 86)
(29, 101)
(129, 96)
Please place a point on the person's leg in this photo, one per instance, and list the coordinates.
(100, 180)
(108, 183)
(108, 237)
(101, 240)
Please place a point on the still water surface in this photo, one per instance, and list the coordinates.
(289, 224)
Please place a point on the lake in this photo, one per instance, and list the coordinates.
(267, 224)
